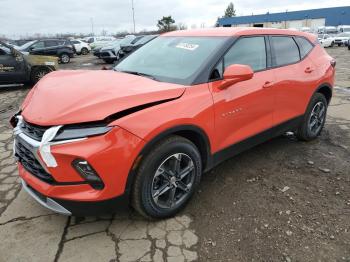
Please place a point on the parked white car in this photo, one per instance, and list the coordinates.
(81, 47)
(343, 28)
(342, 39)
(109, 53)
(326, 40)
(99, 41)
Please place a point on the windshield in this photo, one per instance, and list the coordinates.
(26, 45)
(127, 40)
(172, 59)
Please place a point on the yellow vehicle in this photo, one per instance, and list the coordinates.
(17, 68)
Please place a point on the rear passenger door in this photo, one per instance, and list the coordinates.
(51, 47)
(294, 76)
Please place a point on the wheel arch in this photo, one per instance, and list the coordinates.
(326, 90)
(191, 132)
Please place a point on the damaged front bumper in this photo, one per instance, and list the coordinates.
(48, 174)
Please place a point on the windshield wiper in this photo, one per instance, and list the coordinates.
(138, 74)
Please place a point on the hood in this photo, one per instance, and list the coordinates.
(68, 97)
(110, 47)
(42, 60)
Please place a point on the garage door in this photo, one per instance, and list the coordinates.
(296, 24)
(315, 23)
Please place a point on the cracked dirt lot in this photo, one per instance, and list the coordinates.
(281, 201)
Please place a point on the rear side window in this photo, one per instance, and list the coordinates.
(304, 46)
(248, 51)
(50, 43)
(286, 50)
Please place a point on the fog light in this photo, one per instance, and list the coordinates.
(88, 173)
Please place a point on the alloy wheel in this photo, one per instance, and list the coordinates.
(317, 118)
(173, 181)
(40, 75)
(65, 59)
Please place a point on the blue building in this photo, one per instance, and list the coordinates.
(312, 18)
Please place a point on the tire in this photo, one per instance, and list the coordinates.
(152, 190)
(108, 61)
(349, 47)
(38, 73)
(84, 51)
(64, 58)
(314, 118)
(339, 44)
(332, 44)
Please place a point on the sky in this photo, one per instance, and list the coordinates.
(20, 18)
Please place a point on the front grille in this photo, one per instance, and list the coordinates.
(33, 131)
(29, 162)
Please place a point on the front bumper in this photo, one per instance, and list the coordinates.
(339, 41)
(68, 208)
(45, 201)
(112, 156)
(108, 54)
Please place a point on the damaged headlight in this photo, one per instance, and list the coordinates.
(75, 132)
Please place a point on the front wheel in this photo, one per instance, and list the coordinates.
(108, 61)
(314, 118)
(38, 73)
(84, 51)
(64, 58)
(167, 178)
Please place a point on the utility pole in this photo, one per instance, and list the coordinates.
(133, 14)
(92, 26)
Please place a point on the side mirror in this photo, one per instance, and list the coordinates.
(236, 73)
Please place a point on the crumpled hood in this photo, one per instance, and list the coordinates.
(67, 97)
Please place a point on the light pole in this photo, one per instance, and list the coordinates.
(133, 13)
(92, 25)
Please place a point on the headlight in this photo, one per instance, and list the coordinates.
(66, 133)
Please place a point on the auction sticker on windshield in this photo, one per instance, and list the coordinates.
(187, 46)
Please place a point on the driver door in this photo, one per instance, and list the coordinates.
(246, 108)
(11, 67)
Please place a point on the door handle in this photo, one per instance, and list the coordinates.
(308, 70)
(267, 84)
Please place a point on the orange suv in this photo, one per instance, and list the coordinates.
(142, 134)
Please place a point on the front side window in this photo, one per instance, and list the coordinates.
(304, 46)
(248, 51)
(39, 44)
(286, 50)
(175, 59)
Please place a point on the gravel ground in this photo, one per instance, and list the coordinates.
(284, 200)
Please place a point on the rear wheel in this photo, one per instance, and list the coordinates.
(167, 178)
(314, 118)
(84, 51)
(38, 73)
(64, 58)
(332, 44)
